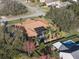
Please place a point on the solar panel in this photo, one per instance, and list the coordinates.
(39, 30)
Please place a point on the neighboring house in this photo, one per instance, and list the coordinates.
(35, 1)
(55, 3)
(59, 4)
(26, 1)
(75, 0)
(67, 49)
(48, 2)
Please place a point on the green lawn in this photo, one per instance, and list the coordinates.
(15, 21)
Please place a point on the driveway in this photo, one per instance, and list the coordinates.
(35, 11)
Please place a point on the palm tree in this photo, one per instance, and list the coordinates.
(4, 30)
(7, 51)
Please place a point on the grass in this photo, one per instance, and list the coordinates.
(15, 21)
(18, 21)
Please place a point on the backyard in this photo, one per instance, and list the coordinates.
(14, 43)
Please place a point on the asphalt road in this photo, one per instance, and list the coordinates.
(36, 11)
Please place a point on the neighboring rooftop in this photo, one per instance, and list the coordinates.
(56, 3)
(67, 46)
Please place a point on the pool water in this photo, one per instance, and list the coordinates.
(69, 43)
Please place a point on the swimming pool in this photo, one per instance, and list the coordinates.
(69, 43)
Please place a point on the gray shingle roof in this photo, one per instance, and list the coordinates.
(75, 54)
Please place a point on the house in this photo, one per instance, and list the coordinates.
(55, 3)
(33, 28)
(67, 49)
(48, 2)
(37, 27)
(75, 0)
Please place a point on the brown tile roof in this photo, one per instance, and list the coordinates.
(30, 25)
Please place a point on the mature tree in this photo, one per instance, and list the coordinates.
(64, 17)
(12, 7)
